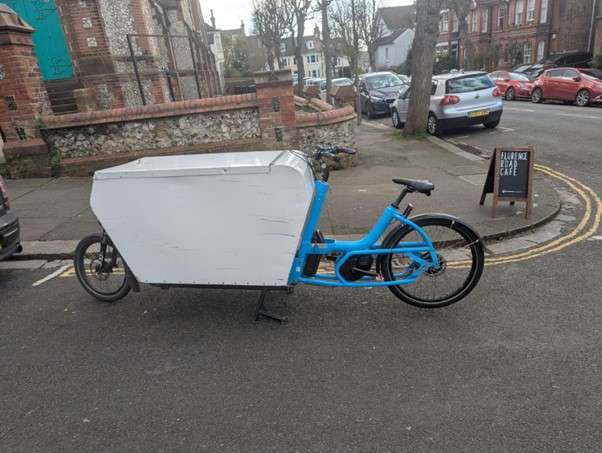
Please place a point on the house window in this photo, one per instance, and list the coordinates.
(541, 47)
(527, 53)
(282, 47)
(444, 22)
(518, 14)
(313, 58)
(501, 17)
(386, 53)
(543, 13)
(530, 10)
(309, 44)
(314, 73)
(454, 22)
(474, 21)
(484, 20)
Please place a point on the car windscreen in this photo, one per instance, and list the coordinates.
(382, 81)
(468, 83)
(342, 82)
(519, 77)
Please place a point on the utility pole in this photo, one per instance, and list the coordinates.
(356, 50)
(326, 43)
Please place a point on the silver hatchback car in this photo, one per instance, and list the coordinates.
(458, 99)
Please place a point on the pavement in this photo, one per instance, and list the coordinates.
(55, 213)
(514, 367)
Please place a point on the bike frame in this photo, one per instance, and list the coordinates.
(368, 245)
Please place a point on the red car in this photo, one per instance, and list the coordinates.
(512, 85)
(569, 85)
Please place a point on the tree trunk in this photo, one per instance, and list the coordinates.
(299, 54)
(326, 47)
(372, 58)
(270, 60)
(423, 49)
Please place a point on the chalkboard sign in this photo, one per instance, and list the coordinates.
(510, 177)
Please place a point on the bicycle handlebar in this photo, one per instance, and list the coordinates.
(332, 150)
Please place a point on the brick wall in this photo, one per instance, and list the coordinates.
(23, 96)
(276, 103)
(571, 26)
(598, 35)
(24, 99)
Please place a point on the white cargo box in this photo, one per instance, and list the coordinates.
(207, 219)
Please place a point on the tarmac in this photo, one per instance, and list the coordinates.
(55, 213)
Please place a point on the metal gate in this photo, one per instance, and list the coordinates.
(170, 60)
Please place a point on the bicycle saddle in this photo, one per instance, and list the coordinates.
(416, 185)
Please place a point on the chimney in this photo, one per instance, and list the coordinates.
(316, 32)
(212, 20)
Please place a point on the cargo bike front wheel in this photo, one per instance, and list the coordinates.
(100, 269)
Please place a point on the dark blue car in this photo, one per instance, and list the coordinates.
(10, 238)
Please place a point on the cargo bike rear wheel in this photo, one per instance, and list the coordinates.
(100, 269)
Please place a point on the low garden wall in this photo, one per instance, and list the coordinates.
(81, 143)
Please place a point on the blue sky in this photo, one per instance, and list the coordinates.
(228, 13)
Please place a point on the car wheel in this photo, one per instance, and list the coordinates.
(492, 125)
(582, 99)
(432, 125)
(509, 94)
(537, 96)
(395, 119)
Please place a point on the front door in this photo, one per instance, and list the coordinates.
(50, 46)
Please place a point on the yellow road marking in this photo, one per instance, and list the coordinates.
(572, 238)
(71, 272)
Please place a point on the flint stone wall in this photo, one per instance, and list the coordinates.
(154, 133)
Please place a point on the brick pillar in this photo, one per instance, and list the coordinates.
(23, 98)
(276, 107)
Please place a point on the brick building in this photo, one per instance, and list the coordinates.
(597, 38)
(82, 45)
(506, 33)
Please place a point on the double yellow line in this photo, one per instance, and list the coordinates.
(593, 210)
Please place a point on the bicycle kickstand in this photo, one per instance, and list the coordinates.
(261, 311)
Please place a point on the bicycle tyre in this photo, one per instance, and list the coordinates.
(476, 262)
(80, 270)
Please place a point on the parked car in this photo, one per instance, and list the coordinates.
(513, 85)
(532, 71)
(341, 81)
(458, 99)
(378, 91)
(571, 59)
(595, 73)
(568, 85)
(10, 241)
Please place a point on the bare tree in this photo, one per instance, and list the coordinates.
(271, 20)
(423, 49)
(344, 15)
(344, 27)
(461, 8)
(370, 28)
(300, 10)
